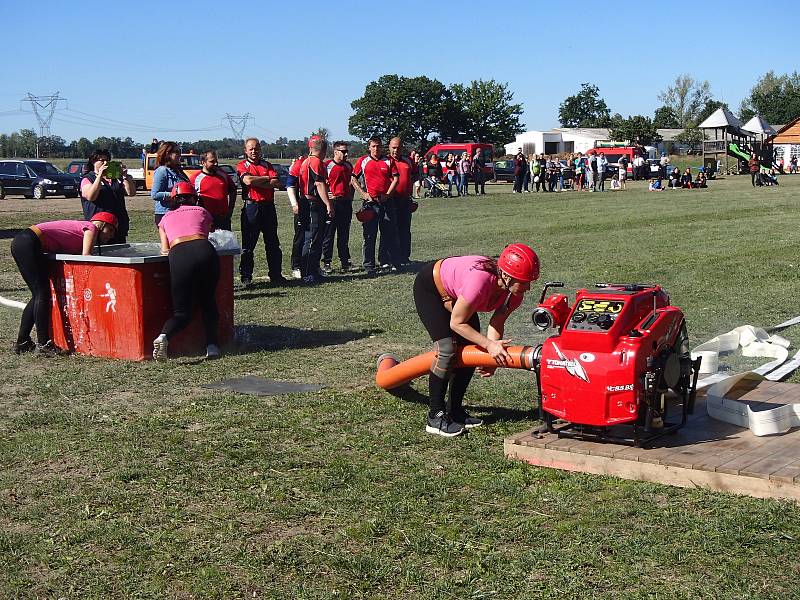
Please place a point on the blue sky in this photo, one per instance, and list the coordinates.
(144, 68)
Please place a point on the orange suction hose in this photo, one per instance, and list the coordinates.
(392, 373)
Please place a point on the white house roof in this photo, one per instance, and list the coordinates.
(758, 125)
(720, 118)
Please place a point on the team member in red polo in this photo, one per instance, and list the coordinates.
(341, 191)
(314, 186)
(216, 190)
(402, 200)
(259, 180)
(380, 175)
(299, 205)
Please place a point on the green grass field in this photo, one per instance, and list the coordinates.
(122, 479)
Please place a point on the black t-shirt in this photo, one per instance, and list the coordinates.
(435, 170)
(111, 198)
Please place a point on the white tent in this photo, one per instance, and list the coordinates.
(759, 126)
(721, 118)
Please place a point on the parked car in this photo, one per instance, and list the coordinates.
(35, 179)
(231, 170)
(655, 167)
(283, 173)
(75, 170)
(504, 170)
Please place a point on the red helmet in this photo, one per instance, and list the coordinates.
(313, 139)
(182, 188)
(365, 214)
(519, 261)
(414, 206)
(105, 217)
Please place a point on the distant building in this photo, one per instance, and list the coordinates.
(786, 142)
(568, 140)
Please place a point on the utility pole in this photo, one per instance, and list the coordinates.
(238, 123)
(43, 108)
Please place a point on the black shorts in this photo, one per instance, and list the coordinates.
(430, 308)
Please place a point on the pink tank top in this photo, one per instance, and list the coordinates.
(186, 220)
(64, 236)
(461, 278)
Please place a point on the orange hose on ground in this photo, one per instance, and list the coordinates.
(393, 373)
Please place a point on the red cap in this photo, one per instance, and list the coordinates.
(182, 188)
(105, 217)
(365, 214)
(313, 139)
(519, 261)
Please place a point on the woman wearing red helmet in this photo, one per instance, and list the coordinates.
(29, 248)
(448, 295)
(193, 268)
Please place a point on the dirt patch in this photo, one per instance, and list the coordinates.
(61, 205)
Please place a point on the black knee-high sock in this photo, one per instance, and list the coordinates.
(437, 391)
(458, 387)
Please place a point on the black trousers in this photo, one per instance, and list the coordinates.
(193, 274)
(403, 219)
(26, 248)
(260, 218)
(222, 222)
(388, 249)
(314, 235)
(479, 179)
(518, 182)
(300, 226)
(338, 230)
(436, 320)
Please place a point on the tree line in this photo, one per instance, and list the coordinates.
(23, 144)
(685, 103)
(423, 111)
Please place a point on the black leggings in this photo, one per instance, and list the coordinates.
(436, 320)
(193, 272)
(26, 248)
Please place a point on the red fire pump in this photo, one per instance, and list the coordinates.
(619, 367)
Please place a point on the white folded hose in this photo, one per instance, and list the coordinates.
(12, 303)
(754, 342)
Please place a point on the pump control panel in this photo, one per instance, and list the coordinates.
(595, 314)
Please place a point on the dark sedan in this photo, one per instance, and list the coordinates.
(504, 170)
(35, 179)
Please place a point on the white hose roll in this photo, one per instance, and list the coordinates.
(709, 363)
(12, 303)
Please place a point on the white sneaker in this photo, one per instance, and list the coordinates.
(213, 351)
(297, 274)
(160, 345)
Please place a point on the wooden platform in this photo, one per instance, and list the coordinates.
(706, 453)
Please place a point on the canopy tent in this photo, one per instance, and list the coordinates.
(722, 118)
(759, 126)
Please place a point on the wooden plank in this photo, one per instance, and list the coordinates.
(643, 471)
(557, 443)
(767, 448)
(764, 468)
(788, 474)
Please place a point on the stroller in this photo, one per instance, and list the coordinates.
(435, 188)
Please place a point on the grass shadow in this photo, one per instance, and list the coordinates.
(409, 394)
(495, 414)
(254, 338)
(7, 234)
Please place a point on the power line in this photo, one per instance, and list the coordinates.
(44, 107)
(91, 118)
(238, 123)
